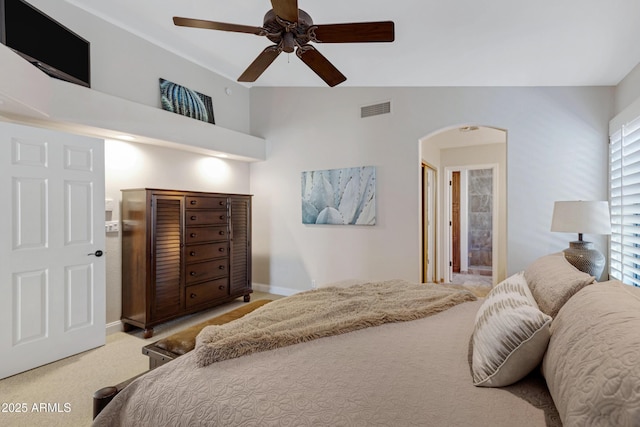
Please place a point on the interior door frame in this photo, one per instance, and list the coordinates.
(457, 189)
(429, 229)
(495, 217)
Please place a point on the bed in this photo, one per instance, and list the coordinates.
(432, 370)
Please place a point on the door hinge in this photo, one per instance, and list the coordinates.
(450, 264)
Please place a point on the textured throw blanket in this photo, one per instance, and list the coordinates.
(321, 313)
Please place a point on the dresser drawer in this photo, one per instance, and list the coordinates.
(199, 202)
(196, 253)
(206, 234)
(206, 270)
(205, 292)
(206, 217)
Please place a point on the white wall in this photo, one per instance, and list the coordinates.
(628, 90)
(130, 165)
(126, 66)
(557, 150)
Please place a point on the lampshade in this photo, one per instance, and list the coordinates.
(584, 217)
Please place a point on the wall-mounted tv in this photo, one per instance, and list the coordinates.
(44, 42)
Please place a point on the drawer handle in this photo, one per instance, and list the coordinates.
(193, 234)
(221, 249)
(192, 253)
(221, 287)
(193, 218)
(222, 233)
(193, 202)
(221, 267)
(222, 217)
(193, 295)
(193, 273)
(221, 202)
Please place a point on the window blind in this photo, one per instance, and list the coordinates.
(624, 185)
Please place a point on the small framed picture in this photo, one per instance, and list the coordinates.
(182, 100)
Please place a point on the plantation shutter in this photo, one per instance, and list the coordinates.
(624, 181)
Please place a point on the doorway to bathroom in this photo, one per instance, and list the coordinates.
(479, 155)
(472, 200)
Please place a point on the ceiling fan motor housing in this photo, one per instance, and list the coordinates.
(277, 29)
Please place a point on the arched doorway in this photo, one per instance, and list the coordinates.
(478, 155)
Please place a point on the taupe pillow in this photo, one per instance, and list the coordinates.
(592, 365)
(510, 335)
(553, 281)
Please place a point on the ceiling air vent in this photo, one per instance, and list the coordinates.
(375, 110)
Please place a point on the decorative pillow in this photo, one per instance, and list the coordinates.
(592, 365)
(553, 280)
(510, 336)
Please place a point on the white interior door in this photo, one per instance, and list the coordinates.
(52, 274)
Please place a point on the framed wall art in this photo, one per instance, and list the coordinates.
(339, 196)
(181, 100)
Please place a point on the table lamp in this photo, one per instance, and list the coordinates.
(588, 217)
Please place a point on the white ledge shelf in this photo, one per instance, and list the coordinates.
(29, 96)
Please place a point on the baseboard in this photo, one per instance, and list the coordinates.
(261, 287)
(114, 327)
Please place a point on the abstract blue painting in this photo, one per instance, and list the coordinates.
(181, 100)
(339, 196)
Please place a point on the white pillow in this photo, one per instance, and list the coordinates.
(511, 335)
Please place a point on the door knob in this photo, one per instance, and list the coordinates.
(96, 253)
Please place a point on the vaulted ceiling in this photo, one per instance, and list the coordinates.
(437, 42)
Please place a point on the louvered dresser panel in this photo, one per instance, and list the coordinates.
(182, 252)
(167, 255)
(240, 257)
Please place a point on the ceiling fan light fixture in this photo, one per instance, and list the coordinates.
(288, 42)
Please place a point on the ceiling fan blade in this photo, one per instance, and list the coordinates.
(286, 9)
(320, 65)
(222, 26)
(357, 32)
(259, 64)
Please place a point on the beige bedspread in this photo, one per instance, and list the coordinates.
(321, 313)
(412, 373)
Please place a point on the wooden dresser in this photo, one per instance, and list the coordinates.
(182, 251)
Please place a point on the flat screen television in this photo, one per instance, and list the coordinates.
(44, 42)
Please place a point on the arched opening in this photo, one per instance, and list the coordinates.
(464, 217)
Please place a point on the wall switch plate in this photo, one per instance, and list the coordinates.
(111, 226)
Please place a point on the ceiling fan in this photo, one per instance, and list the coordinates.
(292, 29)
